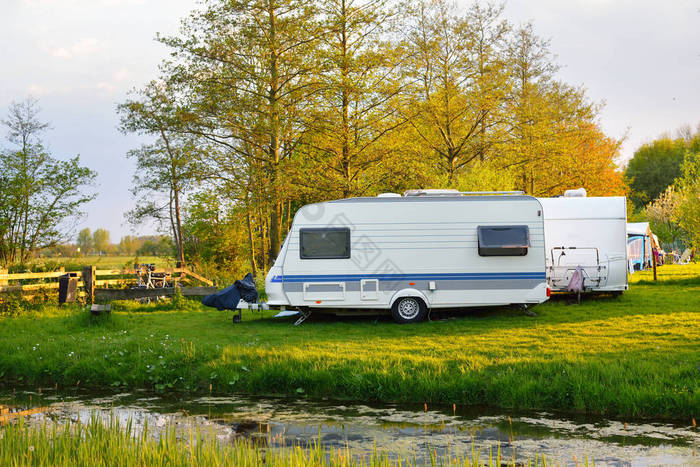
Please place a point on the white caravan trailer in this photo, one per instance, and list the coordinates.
(590, 233)
(409, 254)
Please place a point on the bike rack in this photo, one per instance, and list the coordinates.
(553, 268)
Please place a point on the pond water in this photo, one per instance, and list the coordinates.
(278, 423)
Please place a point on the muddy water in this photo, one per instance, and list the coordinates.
(409, 431)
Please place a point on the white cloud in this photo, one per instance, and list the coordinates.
(106, 87)
(83, 47)
(38, 90)
(73, 3)
(121, 74)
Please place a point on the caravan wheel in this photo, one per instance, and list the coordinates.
(409, 310)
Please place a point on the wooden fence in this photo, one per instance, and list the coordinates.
(103, 284)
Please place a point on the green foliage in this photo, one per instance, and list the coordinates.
(662, 215)
(482, 176)
(157, 246)
(653, 168)
(128, 245)
(634, 356)
(13, 304)
(40, 195)
(214, 239)
(166, 169)
(687, 212)
(278, 104)
(100, 240)
(84, 241)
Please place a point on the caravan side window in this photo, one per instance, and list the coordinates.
(327, 243)
(503, 240)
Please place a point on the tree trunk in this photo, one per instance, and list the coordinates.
(253, 266)
(289, 216)
(274, 150)
(345, 103)
(263, 239)
(178, 226)
(175, 193)
(172, 221)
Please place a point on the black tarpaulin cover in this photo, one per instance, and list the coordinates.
(228, 298)
(246, 287)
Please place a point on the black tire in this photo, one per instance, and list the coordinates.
(409, 310)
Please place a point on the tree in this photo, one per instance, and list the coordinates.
(688, 209)
(100, 240)
(165, 169)
(85, 241)
(248, 67)
(553, 141)
(286, 102)
(653, 168)
(662, 214)
(346, 152)
(128, 245)
(41, 195)
(457, 82)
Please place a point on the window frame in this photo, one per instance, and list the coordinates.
(502, 250)
(324, 229)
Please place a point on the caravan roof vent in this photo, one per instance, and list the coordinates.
(432, 192)
(578, 193)
(388, 195)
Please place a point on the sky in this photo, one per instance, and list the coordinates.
(80, 58)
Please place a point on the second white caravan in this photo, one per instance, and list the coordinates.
(590, 233)
(409, 254)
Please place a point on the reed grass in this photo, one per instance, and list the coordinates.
(636, 356)
(98, 443)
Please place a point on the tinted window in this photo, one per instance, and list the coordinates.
(324, 243)
(503, 240)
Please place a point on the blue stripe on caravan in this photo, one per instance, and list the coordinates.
(391, 277)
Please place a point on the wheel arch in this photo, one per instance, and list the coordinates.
(409, 292)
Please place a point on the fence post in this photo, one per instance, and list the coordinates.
(3, 282)
(89, 282)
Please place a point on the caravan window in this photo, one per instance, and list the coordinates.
(330, 243)
(503, 240)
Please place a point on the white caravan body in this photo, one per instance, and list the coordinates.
(427, 247)
(587, 232)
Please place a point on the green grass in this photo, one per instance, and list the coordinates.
(633, 356)
(102, 262)
(97, 443)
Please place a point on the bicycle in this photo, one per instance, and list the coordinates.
(146, 278)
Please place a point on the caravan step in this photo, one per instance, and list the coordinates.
(243, 305)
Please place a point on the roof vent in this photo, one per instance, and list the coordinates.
(579, 193)
(388, 195)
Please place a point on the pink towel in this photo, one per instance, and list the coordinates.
(576, 282)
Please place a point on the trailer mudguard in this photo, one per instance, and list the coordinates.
(409, 292)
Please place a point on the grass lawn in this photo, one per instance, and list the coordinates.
(633, 356)
(102, 262)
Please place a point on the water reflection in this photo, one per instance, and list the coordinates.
(279, 423)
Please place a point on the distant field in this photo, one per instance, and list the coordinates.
(102, 262)
(633, 356)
